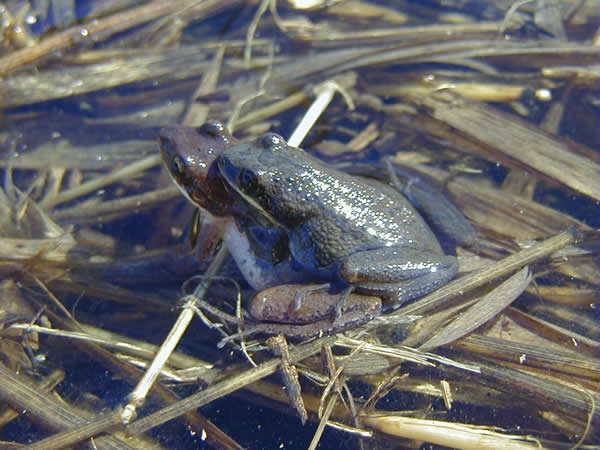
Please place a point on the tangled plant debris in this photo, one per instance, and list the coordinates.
(496, 103)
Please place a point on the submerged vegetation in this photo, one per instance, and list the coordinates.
(497, 102)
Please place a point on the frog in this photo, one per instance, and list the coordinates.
(292, 218)
(353, 233)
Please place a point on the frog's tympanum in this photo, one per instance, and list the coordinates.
(296, 219)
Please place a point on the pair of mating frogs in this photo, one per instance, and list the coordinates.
(295, 219)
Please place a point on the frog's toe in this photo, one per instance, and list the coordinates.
(306, 291)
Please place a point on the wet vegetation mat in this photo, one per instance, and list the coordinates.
(106, 268)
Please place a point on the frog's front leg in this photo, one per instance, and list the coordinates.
(259, 272)
(397, 274)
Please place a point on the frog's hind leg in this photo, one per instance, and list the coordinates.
(437, 209)
(398, 274)
(395, 295)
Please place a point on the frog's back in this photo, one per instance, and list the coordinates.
(328, 214)
(357, 214)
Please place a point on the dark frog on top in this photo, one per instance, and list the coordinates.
(306, 221)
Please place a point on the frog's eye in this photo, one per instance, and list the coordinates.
(271, 141)
(212, 129)
(248, 183)
(177, 166)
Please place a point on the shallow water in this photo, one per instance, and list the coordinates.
(117, 253)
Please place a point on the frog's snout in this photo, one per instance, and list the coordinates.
(167, 142)
(167, 135)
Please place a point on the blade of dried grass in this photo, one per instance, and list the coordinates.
(321, 427)
(426, 326)
(62, 153)
(54, 249)
(255, 116)
(118, 343)
(524, 54)
(76, 284)
(542, 393)
(586, 77)
(279, 346)
(224, 387)
(98, 182)
(46, 385)
(79, 433)
(98, 29)
(514, 141)
(576, 297)
(508, 214)
(485, 309)
(501, 268)
(581, 268)
(121, 68)
(437, 32)
(448, 434)
(549, 358)
(327, 64)
(196, 112)
(405, 354)
(115, 209)
(555, 333)
(46, 411)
